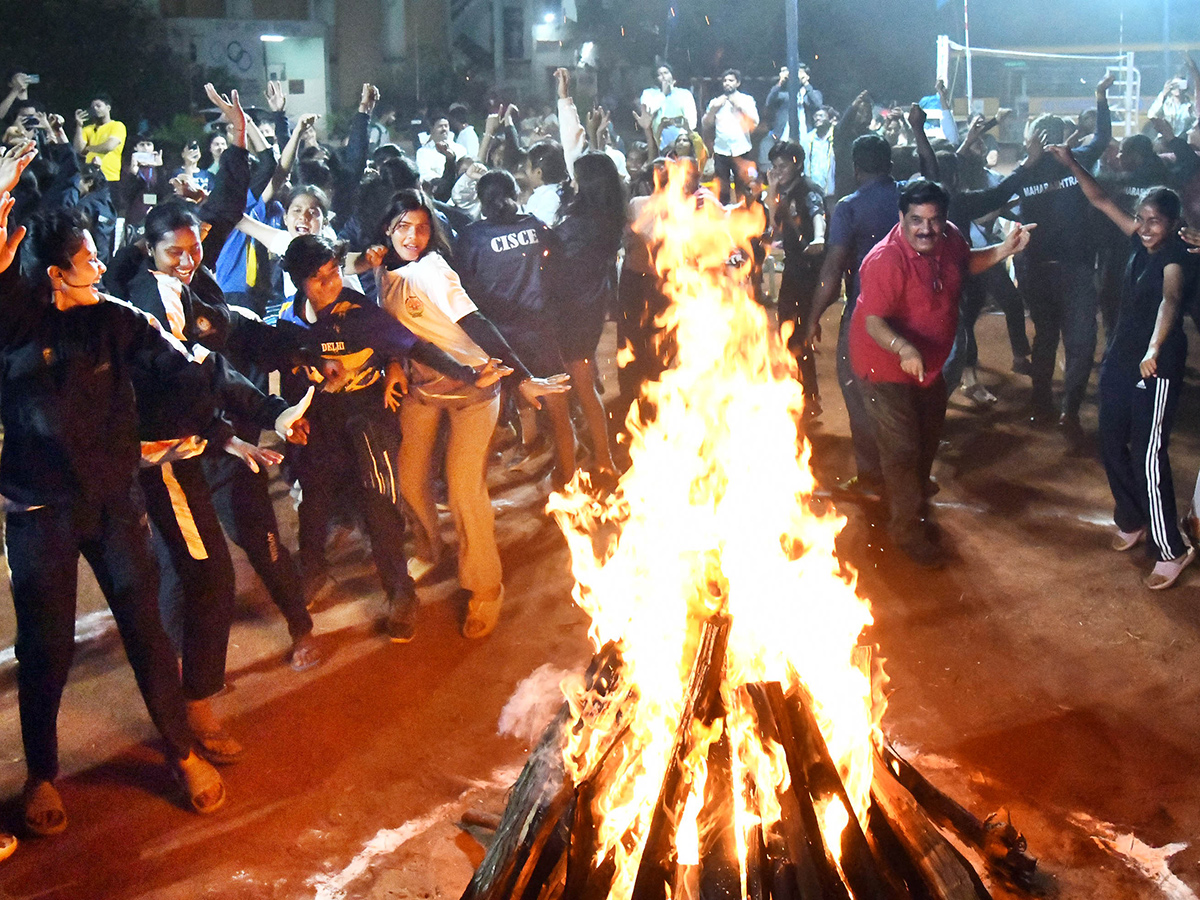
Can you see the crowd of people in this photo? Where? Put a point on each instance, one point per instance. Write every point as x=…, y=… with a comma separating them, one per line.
x=423, y=301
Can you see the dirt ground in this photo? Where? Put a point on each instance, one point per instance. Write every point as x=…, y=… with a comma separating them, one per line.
x=1033, y=674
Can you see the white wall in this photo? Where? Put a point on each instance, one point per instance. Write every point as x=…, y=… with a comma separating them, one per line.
x=235, y=44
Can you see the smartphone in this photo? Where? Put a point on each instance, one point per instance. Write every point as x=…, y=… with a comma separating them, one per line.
x=33, y=79
x=145, y=159
x=990, y=124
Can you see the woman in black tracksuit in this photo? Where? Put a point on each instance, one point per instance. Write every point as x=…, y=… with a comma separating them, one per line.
x=69, y=357
x=590, y=228
x=178, y=499
x=504, y=263
x=1142, y=374
x=199, y=315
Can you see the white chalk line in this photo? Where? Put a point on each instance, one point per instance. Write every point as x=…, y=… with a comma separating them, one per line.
x=388, y=840
x=1149, y=861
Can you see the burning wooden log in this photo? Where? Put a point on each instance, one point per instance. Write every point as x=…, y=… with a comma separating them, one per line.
x=945, y=872
x=540, y=798
x=701, y=702
x=1000, y=843
x=805, y=857
x=825, y=786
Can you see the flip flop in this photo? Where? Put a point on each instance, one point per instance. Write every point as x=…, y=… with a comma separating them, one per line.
x=305, y=654
x=200, y=782
x=482, y=615
x=43, y=809
x=1167, y=571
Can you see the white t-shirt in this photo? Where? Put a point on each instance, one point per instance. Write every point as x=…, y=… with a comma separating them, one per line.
x=427, y=297
x=544, y=202
x=678, y=104
x=430, y=162
x=735, y=120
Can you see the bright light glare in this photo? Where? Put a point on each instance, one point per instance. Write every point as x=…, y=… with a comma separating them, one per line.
x=549, y=18
x=271, y=38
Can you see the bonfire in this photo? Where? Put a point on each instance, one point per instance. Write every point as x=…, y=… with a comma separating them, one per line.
x=726, y=740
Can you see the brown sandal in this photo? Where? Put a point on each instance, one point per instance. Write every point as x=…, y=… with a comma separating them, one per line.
x=43, y=809
x=200, y=782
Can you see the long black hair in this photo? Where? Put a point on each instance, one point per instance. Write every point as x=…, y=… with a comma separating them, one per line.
x=599, y=194
x=406, y=202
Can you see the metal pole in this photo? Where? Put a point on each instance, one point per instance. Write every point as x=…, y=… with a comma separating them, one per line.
x=1166, y=40
x=967, y=48
x=792, y=11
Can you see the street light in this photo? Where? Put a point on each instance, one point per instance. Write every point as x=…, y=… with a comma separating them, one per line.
x=271, y=38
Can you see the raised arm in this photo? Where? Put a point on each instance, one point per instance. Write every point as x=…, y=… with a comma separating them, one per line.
x=949, y=126
x=1094, y=193
x=1091, y=151
x=287, y=158
x=929, y=164
x=18, y=89
x=570, y=128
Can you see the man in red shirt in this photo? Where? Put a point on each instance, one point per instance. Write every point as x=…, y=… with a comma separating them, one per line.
x=901, y=333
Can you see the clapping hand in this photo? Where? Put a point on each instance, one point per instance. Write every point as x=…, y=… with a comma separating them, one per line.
x=231, y=109
x=13, y=162
x=8, y=242
x=276, y=98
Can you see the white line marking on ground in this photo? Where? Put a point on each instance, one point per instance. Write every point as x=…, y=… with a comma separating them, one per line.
x=1150, y=861
x=388, y=840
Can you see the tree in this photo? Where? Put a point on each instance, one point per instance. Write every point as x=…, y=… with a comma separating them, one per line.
x=118, y=47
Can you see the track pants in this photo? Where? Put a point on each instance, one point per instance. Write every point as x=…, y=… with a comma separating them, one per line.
x=471, y=429
x=1062, y=303
x=1136, y=416
x=198, y=617
x=43, y=552
x=243, y=502
x=352, y=448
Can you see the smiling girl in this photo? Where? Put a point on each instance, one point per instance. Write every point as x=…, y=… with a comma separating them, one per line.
x=1142, y=374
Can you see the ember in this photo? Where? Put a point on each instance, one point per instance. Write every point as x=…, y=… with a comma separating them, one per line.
x=726, y=740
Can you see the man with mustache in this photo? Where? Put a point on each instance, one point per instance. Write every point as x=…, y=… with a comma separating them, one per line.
x=901, y=333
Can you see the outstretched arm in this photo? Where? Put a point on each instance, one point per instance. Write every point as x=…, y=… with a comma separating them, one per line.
x=986, y=257
x=1094, y=193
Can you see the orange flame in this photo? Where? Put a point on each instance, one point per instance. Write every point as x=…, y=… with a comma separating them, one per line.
x=713, y=516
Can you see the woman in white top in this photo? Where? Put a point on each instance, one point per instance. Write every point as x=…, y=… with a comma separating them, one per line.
x=418, y=287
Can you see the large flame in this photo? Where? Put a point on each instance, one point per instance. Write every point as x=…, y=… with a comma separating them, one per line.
x=713, y=516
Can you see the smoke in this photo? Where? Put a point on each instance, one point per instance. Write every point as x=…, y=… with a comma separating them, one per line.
x=533, y=704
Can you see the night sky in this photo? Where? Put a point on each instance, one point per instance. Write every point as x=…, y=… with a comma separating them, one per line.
x=887, y=46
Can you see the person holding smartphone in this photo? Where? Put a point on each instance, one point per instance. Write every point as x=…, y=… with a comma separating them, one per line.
x=100, y=137
x=144, y=185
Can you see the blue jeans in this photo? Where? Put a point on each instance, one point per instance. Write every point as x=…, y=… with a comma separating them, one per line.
x=1062, y=303
x=862, y=431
